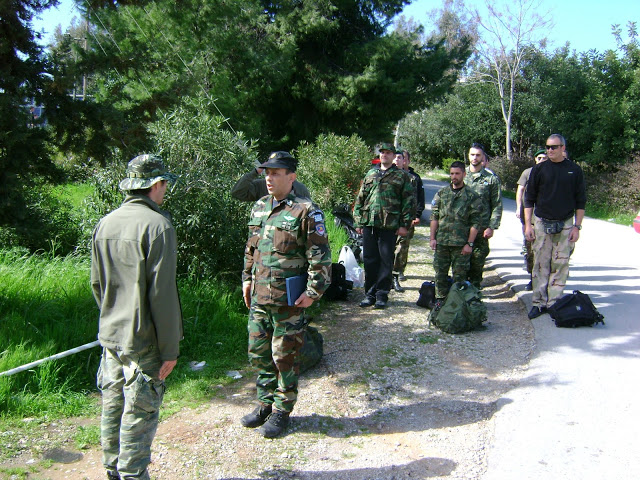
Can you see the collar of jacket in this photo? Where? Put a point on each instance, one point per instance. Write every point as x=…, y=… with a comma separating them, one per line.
x=146, y=201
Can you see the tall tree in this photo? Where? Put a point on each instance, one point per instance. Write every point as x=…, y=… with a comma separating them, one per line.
x=510, y=31
x=23, y=149
x=280, y=71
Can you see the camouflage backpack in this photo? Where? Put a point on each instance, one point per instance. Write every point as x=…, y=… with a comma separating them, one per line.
x=462, y=310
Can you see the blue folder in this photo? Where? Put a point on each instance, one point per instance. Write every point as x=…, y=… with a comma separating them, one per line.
x=295, y=287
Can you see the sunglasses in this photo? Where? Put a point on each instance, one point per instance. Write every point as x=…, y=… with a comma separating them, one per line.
x=553, y=147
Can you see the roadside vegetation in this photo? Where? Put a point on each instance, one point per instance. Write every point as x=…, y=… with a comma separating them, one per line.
x=59, y=177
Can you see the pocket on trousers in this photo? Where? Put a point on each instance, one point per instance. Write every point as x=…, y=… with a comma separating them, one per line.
x=148, y=393
x=100, y=377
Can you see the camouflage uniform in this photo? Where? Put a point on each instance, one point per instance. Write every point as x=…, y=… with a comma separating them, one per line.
x=287, y=240
x=133, y=278
x=456, y=211
x=487, y=186
x=386, y=202
x=402, y=243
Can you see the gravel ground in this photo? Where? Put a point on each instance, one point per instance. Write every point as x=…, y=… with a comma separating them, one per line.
x=391, y=399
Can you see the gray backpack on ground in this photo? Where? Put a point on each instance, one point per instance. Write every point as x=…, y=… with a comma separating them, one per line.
x=461, y=311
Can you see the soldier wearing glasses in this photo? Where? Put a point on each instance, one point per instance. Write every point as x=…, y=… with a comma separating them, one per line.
x=555, y=199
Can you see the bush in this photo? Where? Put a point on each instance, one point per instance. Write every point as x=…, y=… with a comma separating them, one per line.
x=446, y=163
x=509, y=171
x=617, y=190
x=50, y=223
x=210, y=224
x=332, y=168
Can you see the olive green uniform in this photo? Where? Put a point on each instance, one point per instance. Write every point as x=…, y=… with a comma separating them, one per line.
x=456, y=211
x=487, y=186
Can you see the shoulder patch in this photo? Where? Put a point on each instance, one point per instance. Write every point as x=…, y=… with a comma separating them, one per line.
x=321, y=230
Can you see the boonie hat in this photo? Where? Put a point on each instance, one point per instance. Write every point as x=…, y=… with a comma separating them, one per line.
x=541, y=151
x=281, y=159
x=387, y=146
x=145, y=170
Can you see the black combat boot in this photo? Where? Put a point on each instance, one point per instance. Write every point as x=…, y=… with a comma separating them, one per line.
x=396, y=284
x=257, y=417
x=275, y=425
x=368, y=301
x=111, y=475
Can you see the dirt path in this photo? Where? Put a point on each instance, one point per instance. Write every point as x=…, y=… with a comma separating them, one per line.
x=391, y=399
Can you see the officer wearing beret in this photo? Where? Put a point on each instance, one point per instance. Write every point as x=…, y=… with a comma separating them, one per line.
x=287, y=238
x=133, y=278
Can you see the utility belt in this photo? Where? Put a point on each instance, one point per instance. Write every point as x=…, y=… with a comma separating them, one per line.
x=551, y=227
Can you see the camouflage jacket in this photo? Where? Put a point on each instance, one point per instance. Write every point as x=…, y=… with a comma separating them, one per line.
x=386, y=199
x=456, y=211
x=487, y=186
x=285, y=241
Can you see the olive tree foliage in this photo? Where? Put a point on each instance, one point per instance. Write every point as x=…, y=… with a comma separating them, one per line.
x=332, y=168
x=508, y=32
x=210, y=224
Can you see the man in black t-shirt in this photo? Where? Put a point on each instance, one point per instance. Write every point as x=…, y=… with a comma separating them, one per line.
x=555, y=195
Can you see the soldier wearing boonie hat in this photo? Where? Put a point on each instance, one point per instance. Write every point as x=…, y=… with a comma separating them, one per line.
x=145, y=170
x=133, y=278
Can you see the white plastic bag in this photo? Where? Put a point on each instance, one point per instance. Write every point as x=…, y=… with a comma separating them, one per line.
x=354, y=272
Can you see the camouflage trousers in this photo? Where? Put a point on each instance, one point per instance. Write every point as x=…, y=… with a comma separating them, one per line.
x=276, y=335
x=551, y=264
x=446, y=257
x=479, y=255
x=131, y=399
x=402, y=251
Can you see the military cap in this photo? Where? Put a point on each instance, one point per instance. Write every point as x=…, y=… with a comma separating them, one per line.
x=281, y=159
x=387, y=146
x=145, y=170
x=540, y=152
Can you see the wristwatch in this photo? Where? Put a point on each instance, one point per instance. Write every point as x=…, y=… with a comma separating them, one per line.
x=579, y=227
x=470, y=244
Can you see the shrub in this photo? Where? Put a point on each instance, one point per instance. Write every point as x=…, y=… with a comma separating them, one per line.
x=446, y=163
x=616, y=190
x=509, y=171
x=332, y=168
x=210, y=224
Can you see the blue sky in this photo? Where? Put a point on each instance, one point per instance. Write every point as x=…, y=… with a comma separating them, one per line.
x=586, y=24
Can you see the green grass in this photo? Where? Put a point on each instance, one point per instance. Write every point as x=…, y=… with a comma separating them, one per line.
x=46, y=306
x=603, y=212
x=337, y=237
x=87, y=437
x=73, y=193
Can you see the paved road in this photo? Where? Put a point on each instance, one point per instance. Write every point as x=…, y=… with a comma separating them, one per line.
x=576, y=413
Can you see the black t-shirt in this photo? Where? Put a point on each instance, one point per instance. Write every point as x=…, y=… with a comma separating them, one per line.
x=556, y=190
